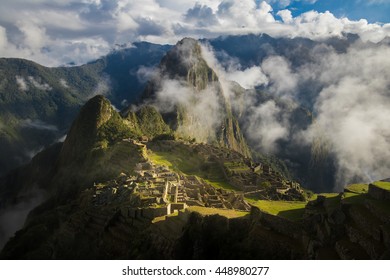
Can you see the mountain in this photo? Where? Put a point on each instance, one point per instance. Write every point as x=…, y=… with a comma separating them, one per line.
x=175, y=173
x=39, y=103
x=82, y=174
x=102, y=143
x=251, y=49
x=184, y=63
x=172, y=199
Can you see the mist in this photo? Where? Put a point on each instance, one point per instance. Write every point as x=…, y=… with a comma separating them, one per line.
x=13, y=218
x=203, y=108
x=348, y=94
x=353, y=111
x=103, y=87
x=38, y=124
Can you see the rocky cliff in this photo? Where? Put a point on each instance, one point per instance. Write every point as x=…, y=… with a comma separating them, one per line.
x=205, y=112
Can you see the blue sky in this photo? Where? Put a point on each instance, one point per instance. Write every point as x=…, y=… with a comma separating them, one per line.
x=373, y=11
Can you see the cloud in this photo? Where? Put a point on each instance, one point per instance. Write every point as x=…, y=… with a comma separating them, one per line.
x=64, y=83
x=145, y=74
x=32, y=153
x=286, y=16
x=351, y=110
x=102, y=88
x=282, y=82
x=39, y=85
x=349, y=94
x=37, y=124
x=231, y=70
x=33, y=35
x=203, y=109
x=244, y=14
x=267, y=124
x=286, y=3
x=62, y=138
x=35, y=29
x=13, y=218
x=248, y=78
x=22, y=84
x=201, y=16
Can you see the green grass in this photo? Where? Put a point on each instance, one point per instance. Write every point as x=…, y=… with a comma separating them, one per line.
x=178, y=160
x=327, y=195
x=236, y=167
x=382, y=185
x=102, y=165
x=161, y=159
x=221, y=185
x=291, y=210
x=357, y=188
x=354, y=198
x=206, y=211
x=163, y=218
x=182, y=159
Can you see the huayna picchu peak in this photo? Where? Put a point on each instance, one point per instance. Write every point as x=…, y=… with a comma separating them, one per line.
x=179, y=170
x=198, y=108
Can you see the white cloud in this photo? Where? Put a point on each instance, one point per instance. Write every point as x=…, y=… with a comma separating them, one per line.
x=266, y=125
x=203, y=109
x=282, y=81
x=38, y=124
x=286, y=3
x=350, y=96
x=286, y=16
x=34, y=36
x=145, y=74
x=248, y=78
x=353, y=111
x=38, y=84
x=64, y=83
x=21, y=83
x=36, y=29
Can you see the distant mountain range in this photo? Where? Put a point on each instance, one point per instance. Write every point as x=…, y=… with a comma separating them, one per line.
x=39, y=103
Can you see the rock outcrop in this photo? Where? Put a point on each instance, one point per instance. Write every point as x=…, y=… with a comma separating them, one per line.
x=185, y=63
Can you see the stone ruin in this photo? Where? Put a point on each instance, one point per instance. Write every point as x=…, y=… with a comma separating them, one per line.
x=157, y=191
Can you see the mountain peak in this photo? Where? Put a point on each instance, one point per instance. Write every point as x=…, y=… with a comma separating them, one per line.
x=185, y=62
x=82, y=135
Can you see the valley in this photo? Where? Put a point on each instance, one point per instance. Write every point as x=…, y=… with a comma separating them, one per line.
x=178, y=174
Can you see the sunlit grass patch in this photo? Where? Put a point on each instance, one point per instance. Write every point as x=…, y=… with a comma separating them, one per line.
x=292, y=210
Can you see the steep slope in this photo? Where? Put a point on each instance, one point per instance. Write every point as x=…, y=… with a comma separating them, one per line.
x=39, y=103
x=199, y=108
x=94, y=150
x=111, y=196
x=147, y=121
